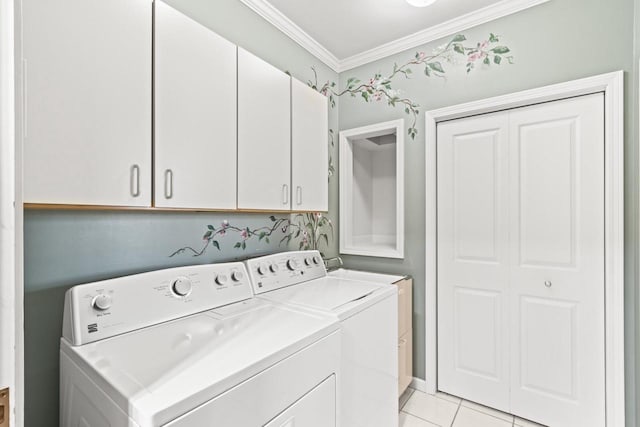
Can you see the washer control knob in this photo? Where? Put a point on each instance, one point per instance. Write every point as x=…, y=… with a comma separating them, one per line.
x=316, y=259
x=222, y=279
x=308, y=261
x=181, y=286
x=237, y=276
x=101, y=302
x=273, y=268
x=292, y=264
x=262, y=269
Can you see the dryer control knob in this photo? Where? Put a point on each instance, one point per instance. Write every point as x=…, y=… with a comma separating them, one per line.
x=181, y=286
x=237, y=276
x=101, y=302
x=316, y=259
x=222, y=279
x=262, y=269
x=292, y=264
x=308, y=261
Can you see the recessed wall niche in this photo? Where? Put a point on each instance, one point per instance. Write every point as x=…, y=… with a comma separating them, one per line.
x=372, y=190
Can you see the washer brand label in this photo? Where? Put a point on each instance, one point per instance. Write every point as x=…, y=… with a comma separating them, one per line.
x=93, y=327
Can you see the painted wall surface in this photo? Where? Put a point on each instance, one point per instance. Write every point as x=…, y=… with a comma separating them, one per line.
x=558, y=41
x=67, y=248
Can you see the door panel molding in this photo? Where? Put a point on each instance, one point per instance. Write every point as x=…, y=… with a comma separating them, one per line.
x=611, y=85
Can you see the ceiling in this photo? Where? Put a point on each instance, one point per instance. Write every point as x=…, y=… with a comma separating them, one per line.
x=347, y=33
x=349, y=27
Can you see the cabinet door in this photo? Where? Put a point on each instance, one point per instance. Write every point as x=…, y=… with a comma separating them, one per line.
x=88, y=102
x=195, y=114
x=309, y=148
x=405, y=306
x=264, y=135
x=405, y=362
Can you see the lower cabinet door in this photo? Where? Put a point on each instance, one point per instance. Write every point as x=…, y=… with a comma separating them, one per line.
x=315, y=409
x=405, y=362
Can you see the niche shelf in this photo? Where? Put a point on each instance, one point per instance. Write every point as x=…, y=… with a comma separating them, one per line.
x=372, y=190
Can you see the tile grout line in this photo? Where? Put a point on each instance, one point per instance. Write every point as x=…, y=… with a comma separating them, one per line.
x=456, y=414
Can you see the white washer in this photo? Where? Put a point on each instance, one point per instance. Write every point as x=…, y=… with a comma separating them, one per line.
x=368, y=315
x=143, y=351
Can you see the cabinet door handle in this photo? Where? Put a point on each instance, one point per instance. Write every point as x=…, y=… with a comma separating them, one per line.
x=135, y=180
x=285, y=194
x=168, y=184
x=299, y=195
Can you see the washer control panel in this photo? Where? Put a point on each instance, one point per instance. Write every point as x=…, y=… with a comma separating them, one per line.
x=276, y=271
x=99, y=310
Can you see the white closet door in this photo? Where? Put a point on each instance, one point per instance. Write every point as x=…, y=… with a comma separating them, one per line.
x=264, y=135
x=473, y=346
x=557, y=262
x=195, y=114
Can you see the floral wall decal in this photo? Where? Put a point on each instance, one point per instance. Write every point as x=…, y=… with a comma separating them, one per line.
x=310, y=228
x=379, y=87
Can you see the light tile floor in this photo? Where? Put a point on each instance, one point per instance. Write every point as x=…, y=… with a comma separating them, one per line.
x=418, y=409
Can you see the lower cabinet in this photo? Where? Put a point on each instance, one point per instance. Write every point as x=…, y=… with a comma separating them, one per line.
x=405, y=334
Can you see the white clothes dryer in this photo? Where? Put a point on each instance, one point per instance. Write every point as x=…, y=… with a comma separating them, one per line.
x=368, y=316
x=189, y=346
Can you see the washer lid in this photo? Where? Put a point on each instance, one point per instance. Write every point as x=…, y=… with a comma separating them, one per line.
x=331, y=294
x=367, y=276
x=159, y=373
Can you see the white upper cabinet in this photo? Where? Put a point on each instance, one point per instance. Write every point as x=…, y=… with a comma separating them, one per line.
x=264, y=135
x=309, y=148
x=195, y=114
x=88, y=102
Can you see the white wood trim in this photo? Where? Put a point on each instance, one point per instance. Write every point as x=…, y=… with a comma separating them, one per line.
x=8, y=325
x=419, y=385
x=453, y=26
x=293, y=31
x=612, y=84
x=346, y=162
x=489, y=13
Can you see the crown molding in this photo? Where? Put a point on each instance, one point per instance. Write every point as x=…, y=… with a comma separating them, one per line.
x=297, y=34
x=461, y=23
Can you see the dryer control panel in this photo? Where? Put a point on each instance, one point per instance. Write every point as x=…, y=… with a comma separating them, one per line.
x=99, y=310
x=276, y=271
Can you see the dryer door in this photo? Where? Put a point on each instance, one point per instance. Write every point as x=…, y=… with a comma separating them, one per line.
x=316, y=409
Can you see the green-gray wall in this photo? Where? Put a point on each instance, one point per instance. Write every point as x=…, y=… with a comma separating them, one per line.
x=64, y=248
x=555, y=42
x=558, y=41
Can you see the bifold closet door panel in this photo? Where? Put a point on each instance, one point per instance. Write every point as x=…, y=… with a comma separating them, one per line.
x=473, y=345
x=557, y=262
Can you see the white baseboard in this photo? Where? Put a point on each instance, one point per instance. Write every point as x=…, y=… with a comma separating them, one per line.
x=418, y=384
